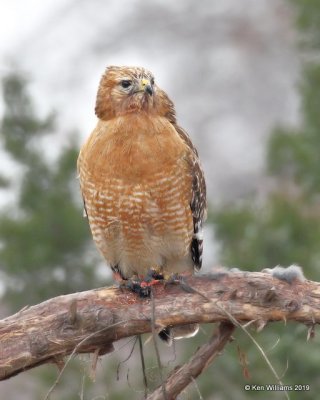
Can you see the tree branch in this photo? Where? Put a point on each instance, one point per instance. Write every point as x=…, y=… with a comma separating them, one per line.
x=91, y=321
x=180, y=378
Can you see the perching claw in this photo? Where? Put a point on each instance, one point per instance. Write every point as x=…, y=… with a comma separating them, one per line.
x=142, y=286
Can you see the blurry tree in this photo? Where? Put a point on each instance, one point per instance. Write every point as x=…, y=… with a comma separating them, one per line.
x=308, y=21
x=44, y=240
x=284, y=228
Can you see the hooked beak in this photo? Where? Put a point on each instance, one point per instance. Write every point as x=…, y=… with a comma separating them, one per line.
x=145, y=86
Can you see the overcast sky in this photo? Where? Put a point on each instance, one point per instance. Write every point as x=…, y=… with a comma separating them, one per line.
x=231, y=68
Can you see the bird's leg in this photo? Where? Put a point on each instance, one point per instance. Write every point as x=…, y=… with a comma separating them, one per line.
x=117, y=276
x=142, y=284
x=152, y=277
x=178, y=279
x=135, y=285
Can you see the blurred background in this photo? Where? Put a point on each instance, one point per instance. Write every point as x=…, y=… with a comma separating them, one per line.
x=245, y=79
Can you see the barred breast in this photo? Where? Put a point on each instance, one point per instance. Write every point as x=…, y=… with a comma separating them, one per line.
x=137, y=187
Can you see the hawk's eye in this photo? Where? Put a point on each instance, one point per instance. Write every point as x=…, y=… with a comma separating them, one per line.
x=126, y=83
x=152, y=81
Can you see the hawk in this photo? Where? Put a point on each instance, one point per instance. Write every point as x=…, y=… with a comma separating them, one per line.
x=141, y=179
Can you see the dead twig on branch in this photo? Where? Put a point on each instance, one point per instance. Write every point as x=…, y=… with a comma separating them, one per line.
x=89, y=322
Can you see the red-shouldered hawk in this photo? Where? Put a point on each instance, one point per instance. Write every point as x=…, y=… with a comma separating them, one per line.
x=141, y=179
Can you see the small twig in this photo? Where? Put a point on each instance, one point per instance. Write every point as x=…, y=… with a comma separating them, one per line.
x=145, y=381
x=93, y=369
x=235, y=322
x=127, y=358
x=179, y=379
x=189, y=289
x=81, y=394
x=154, y=336
x=197, y=388
x=73, y=311
x=73, y=353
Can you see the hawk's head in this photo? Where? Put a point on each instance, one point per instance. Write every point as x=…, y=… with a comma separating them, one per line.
x=125, y=90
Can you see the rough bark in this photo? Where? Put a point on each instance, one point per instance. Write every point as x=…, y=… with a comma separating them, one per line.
x=91, y=321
